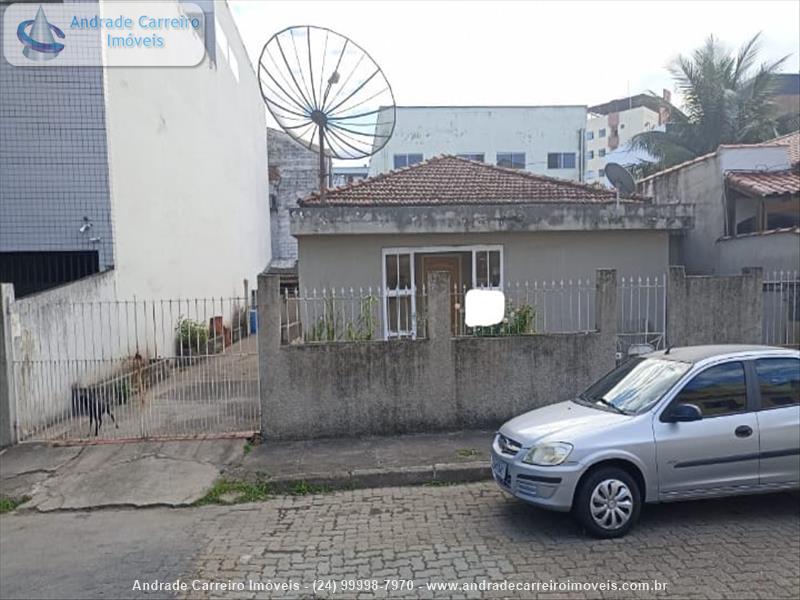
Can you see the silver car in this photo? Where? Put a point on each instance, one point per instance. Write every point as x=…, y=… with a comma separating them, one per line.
x=683, y=423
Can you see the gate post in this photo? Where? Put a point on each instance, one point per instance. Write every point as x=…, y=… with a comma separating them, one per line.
x=8, y=400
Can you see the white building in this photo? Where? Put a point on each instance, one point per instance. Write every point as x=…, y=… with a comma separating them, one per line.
x=155, y=176
x=611, y=126
x=547, y=140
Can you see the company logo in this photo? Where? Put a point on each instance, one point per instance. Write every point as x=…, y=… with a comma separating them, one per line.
x=37, y=37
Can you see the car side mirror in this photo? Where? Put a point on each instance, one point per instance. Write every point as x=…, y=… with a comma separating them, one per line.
x=683, y=413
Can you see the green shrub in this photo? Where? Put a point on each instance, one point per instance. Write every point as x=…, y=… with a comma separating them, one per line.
x=192, y=337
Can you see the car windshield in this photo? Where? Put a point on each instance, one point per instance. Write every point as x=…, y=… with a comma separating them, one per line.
x=635, y=386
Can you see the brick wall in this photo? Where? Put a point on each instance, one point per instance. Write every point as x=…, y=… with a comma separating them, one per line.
x=293, y=174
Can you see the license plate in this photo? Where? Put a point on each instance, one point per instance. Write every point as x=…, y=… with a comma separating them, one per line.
x=499, y=468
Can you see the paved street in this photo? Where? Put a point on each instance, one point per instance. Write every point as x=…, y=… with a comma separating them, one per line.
x=740, y=548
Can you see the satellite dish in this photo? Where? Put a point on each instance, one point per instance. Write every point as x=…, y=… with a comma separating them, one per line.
x=327, y=93
x=621, y=179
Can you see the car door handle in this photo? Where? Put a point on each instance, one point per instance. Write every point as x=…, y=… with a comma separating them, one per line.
x=743, y=431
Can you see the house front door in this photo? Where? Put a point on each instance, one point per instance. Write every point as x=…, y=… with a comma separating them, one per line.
x=450, y=263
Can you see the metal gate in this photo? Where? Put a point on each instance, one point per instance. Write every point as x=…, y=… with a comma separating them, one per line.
x=138, y=369
x=641, y=314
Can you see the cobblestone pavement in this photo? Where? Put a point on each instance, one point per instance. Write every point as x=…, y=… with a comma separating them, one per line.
x=744, y=548
x=736, y=548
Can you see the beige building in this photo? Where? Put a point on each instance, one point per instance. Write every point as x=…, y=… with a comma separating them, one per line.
x=612, y=125
x=487, y=226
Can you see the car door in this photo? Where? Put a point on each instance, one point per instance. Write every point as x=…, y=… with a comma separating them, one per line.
x=717, y=454
x=778, y=383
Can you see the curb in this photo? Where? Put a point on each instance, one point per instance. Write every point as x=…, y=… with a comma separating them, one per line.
x=443, y=473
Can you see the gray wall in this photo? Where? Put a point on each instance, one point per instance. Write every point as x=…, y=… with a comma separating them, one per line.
x=440, y=383
x=355, y=260
x=293, y=175
x=8, y=429
x=776, y=251
x=714, y=310
x=53, y=159
x=700, y=184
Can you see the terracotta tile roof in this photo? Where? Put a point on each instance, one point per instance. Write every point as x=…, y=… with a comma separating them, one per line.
x=765, y=183
x=454, y=180
x=790, y=139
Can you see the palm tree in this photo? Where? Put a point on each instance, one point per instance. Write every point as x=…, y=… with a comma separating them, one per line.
x=727, y=100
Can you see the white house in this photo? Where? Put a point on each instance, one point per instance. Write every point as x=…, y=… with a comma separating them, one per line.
x=546, y=140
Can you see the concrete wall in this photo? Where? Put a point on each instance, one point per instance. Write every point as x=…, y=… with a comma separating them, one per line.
x=188, y=158
x=58, y=339
x=8, y=413
x=774, y=252
x=714, y=310
x=701, y=183
x=535, y=130
x=293, y=175
x=355, y=260
x=440, y=383
x=53, y=161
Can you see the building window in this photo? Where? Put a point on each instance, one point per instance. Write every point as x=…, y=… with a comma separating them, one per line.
x=400, y=295
x=487, y=269
x=511, y=160
x=477, y=157
x=406, y=160
x=561, y=160
x=590, y=154
x=601, y=133
x=601, y=173
x=590, y=135
x=601, y=152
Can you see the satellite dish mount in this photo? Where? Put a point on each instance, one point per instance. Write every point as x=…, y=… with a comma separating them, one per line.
x=621, y=179
x=325, y=90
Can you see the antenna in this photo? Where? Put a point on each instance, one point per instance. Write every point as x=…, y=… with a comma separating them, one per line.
x=621, y=179
x=324, y=89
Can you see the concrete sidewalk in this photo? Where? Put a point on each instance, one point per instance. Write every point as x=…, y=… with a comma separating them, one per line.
x=370, y=461
x=114, y=475
x=178, y=473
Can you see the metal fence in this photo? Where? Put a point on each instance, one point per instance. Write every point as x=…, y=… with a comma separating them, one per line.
x=553, y=306
x=641, y=313
x=566, y=305
x=136, y=369
x=352, y=315
x=781, y=308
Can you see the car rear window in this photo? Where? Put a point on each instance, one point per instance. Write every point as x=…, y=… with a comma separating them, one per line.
x=779, y=381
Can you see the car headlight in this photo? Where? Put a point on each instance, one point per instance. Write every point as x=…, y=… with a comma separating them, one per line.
x=548, y=455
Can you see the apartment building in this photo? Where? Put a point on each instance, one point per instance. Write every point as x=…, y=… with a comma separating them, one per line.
x=610, y=127
x=545, y=140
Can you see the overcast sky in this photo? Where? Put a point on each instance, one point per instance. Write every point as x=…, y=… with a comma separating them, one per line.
x=566, y=52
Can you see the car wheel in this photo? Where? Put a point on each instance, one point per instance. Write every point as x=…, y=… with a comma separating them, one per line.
x=608, y=503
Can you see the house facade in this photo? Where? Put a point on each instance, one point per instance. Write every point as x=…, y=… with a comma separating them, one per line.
x=486, y=226
x=547, y=140
x=747, y=207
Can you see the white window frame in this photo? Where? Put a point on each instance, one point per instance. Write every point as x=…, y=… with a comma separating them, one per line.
x=412, y=251
x=398, y=293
